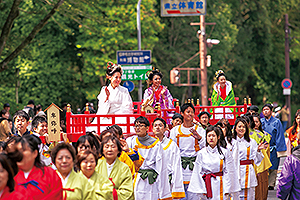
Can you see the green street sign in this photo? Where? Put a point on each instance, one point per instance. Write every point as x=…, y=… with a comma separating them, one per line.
x=135, y=72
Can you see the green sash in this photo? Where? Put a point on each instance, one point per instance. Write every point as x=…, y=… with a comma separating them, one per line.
x=188, y=161
x=150, y=173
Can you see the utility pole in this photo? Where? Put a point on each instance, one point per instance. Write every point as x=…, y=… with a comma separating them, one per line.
x=138, y=21
x=287, y=64
x=203, y=67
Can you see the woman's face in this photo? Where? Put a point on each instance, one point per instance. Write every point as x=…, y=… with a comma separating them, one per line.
x=64, y=161
x=256, y=122
x=240, y=129
x=176, y=121
x=222, y=81
x=88, y=165
x=110, y=150
x=115, y=79
x=212, y=139
x=3, y=177
x=28, y=160
x=156, y=81
x=84, y=146
x=298, y=120
x=204, y=119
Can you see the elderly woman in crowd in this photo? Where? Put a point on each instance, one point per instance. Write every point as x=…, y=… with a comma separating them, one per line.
x=75, y=186
x=115, y=170
x=87, y=161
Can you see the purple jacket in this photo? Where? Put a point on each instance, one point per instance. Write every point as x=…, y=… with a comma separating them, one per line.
x=289, y=180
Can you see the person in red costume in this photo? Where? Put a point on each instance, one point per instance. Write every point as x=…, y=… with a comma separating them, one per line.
x=39, y=181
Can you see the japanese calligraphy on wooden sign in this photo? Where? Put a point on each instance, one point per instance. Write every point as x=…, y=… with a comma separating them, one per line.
x=53, y=118
x=182, y=7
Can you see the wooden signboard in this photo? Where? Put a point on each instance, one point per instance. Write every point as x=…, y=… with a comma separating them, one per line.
x=53, y=118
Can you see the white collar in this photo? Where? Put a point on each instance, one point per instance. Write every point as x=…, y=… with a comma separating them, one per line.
x=212, y=150
x=64, y=181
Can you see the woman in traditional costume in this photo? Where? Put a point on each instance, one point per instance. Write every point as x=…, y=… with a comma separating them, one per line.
x=8, y=169
x=157, y=93
x=293, y=133
x=87, y=161
x=257, y=134
x=113, y=99
x=75, y=186
x=39, y=181
x=214, y=172
x=249, y=153
x=113, y=169
x=227, y=132
x=222, y=95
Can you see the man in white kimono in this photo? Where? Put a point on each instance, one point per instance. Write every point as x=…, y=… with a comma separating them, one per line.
x=151, y=181
x=190, y=138
x=172, y=153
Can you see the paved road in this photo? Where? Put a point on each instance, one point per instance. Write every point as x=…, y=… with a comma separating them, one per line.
x=272, y=193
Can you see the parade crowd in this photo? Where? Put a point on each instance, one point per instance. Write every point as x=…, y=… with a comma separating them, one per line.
x=190, y=160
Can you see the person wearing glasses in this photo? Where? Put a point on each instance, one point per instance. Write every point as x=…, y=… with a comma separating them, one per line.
x=151, y=181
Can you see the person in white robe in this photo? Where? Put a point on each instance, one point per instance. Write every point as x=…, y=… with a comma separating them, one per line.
x=113, y=99
x=190, y=138
x=249, y=153
x=172, y=153
x=151, y=181
x=213, y=175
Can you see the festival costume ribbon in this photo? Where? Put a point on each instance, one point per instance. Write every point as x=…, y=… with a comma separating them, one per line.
x=150, y=173
x=188, y=161
x=114, y=193
x=67, y=189
x=207, y=180
x=32, y=182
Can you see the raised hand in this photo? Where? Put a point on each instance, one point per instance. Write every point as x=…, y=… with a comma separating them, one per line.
x=262, y=145
x=124, y=145
x=195, y=134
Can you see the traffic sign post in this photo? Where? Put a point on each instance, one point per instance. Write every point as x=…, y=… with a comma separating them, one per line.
x=286, y=85
x=134, y=57
x=135, y=72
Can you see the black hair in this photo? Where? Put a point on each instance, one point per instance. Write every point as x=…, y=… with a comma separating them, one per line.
x=30, y=102
x=253, y=124
x=219, y=75
x=224, y=123
x=21, y=113
x=186, y=106
x=294, y=130
x=3, y=112
x=113, y=139
x=8, y=162
x=91, y=140
x=117, y=129
x=177, y=115
x=162, y=120
x=246, y=117
x=38, y=107
x=37, y=120
x=218, y=132
x=246, y=135
x=61, y=146
x=142, y=120
x=33, y=143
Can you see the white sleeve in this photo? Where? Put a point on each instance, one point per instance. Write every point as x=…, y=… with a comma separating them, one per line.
x=197, y=184
x=103, y=106
x=258, y=155
x=127, y=105
x=177, y=177
x=202, y=133
x=231, y=179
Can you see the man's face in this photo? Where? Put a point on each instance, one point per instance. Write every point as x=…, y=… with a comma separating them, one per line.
x=21, y=124
x=251, y=112
x=188, y=114
x=42, y=128
x=176, y=121
x=141, y=129
x=267, y=112
x=158, y=128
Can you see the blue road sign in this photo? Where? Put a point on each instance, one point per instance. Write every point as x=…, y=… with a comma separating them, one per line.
x=134, y=57
x=129, y=85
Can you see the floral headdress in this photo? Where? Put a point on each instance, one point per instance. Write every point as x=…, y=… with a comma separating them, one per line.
x=113, y=67
x=219, y=73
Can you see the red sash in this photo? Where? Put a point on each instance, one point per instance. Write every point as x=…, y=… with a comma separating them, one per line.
x=207, y=180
